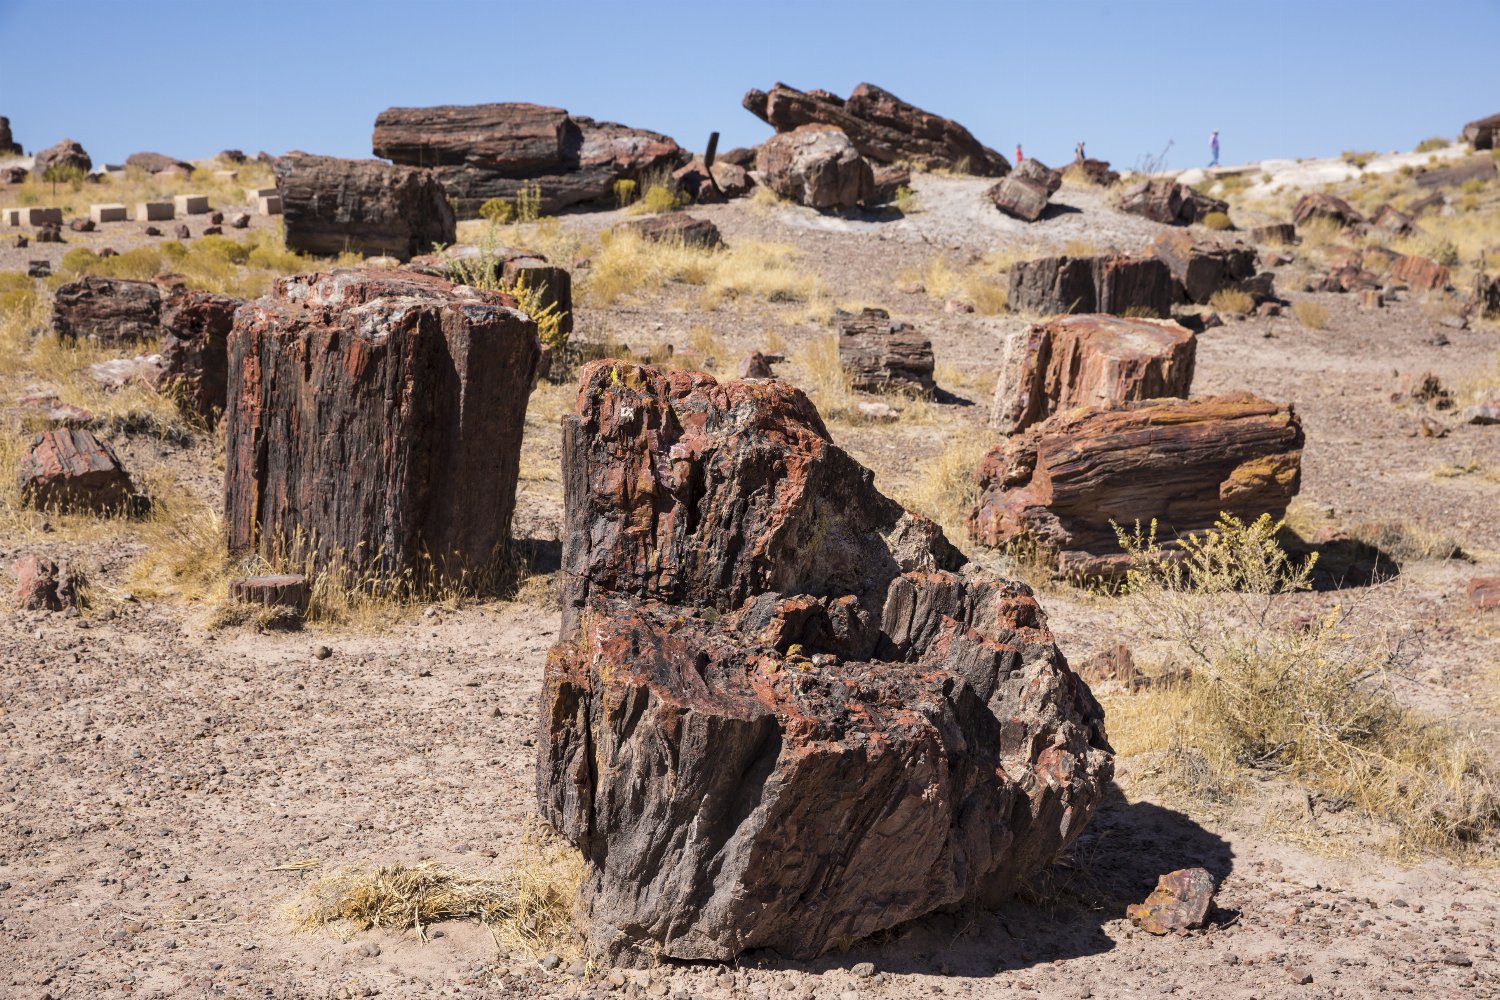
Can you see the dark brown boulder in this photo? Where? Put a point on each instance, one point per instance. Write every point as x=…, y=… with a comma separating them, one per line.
x=1484, y=133
x=1325, y=207
x=8, y=144
x=70, y=469
x=107, y=309
x=155, y=163
x=1114, y=284
x=1091, y=360
x=882, y=127
x=376, y=416
x=1169, y=203
x=1203, y=267
x=195, y=329
x=677, y=227
x=1067, y=481
x=715, y=736
x=1390, y=221
x=756, y=365
x=1095, y=171
x=817, y=166
x=44, y=585
x=331, y=206
x=879, y=355
x=66, y=157
x=1024, y=192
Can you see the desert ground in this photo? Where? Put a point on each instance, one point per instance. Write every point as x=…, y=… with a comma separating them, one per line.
x=173, y=780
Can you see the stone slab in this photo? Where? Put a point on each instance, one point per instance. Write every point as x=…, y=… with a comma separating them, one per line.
x=154, y=211
x=108, y=213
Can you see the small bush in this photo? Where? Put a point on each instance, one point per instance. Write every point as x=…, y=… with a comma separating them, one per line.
x=624, y=191
x=497, y=210
x=658, y=198
x=1357, y=159
x=906, y=200
x=1436, y=142
x=1218, y=221
x=1473, y=185
x=1232, y=300
x=1313, y=315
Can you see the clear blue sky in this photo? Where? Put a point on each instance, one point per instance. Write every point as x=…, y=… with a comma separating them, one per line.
x=1279, y=78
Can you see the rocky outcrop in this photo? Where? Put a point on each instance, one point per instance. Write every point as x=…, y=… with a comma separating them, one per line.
x=1024, y=192
x=677, y=227
x=1092, y=360
x=783, y=715
x=1319, y=207
x=1421, y=274
x=332, y=206
x=8, y=144
x=66, y=157
x=1105, y=284
x=1203, y=267
x=1169, y=203
x=376, y=416
x=107, y=309
x=70, y=469
x=155, y=163
x=879, y=355
x=486, y=151
x=882, y=127
x=1484, y=133
x=1066, y=481
x=194, y=352
x=817, y=166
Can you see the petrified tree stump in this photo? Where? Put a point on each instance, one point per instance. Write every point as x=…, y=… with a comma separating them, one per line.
x=783, y=715
x=1104, y=284
x=1420, y=273
x=287, y=590
x=882, y=356
x=1319, y=206
x=1067, y=481
x=376, y=416
x=1093, y=360
x=331, y=206
x=1024, y=192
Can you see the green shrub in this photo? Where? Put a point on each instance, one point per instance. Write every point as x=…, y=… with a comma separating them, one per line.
x=906, y=200
x=1428, y=145
x=624, y=191
x=1217, y=220
x=497, y=210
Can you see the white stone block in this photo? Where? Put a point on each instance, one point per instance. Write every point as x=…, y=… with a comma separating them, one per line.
x=153, y=211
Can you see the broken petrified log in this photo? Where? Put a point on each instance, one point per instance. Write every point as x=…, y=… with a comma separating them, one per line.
x=1421, y=274
x=375, y=417
x=882, y=127
x=107, y=309
x=1203, y=267
x=1024, y=192
x=881, y=356
x=677, y=227
x=332, y=206
x=44, y=585
x=1325, y=207
x=1276, y=234
x=729, y=577
x=194, y=335
x=1169, y=203
x=70, y=469
x=1105, y=284
x=1091, y=360
x=1066, y=481
x=817, y=166
x=1390, y=221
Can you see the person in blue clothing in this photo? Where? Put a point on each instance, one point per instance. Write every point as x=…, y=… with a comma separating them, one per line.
x=1213, y=146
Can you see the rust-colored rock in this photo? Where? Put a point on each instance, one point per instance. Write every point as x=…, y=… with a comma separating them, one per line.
x=881, y=356
x=1179, y=903
x=677, y=227
x=1203, y=267
x=330, y=206
x=882, y=127
x=1023, y=193
x=194, y=336
x=376, y=415
x=70, y=469
x=715, y=736
x=1066, y=481
x=1325, y=207
x=1484, y=592
x=817, y=166
x=44, y=585
x=288, y=590
x=107, y=309
x=1105, y=284
x=1421, y=274
x=1091, y=360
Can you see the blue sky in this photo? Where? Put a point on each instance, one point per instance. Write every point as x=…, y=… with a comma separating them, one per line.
x=1279, y=78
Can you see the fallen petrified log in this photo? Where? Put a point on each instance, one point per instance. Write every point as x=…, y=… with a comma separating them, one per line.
x=782, y=714
x=1024, y=192
x=1105, y=284
x=1091, y=360
x=882, y=127
x=1391, y=221
x=1475, y=168
x=1325, y=207
x=1203, y=267
x=107, y=309
x=331, y=206
x=70, y=469
x=881, y=356
x=817, y=166
x=1066, y=482
x=376, y=417
x=1169, y=203
x=1422, y=274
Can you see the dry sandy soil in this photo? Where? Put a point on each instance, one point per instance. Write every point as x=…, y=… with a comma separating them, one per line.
x=153, y=771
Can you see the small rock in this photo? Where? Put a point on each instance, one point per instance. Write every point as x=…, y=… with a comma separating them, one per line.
x=239, y=221
x=953, y=306
x=39, y=269
x=182, y=231
x=550, y=961
x=577, y=969
x=152, y=231
x=864, y=970
x=321, y=652
x=1299, y=976
x=370, y=949
x=1179, y=902
x=1458, y=958
x=911, y=288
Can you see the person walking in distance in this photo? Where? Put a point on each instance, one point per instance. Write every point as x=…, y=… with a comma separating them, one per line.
x=1019, y=157
x=1078, y=153
x=1213, y=147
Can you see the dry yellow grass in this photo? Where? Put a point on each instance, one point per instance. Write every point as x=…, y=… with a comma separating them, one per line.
x=75, y=197
x=948, y=487
x=1231, y=300
x=627, y=266
x=1313, y=315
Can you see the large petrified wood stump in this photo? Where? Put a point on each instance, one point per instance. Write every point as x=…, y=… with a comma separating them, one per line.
x=784, y=714
x=1093, y=360
x=1066, y=481
x=332, y=206
x=377, y=416
x=1110, y=283
x=881, y=356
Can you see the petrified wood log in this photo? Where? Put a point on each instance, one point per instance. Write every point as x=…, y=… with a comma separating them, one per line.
x=1104, y=284
x=1420, y=273
x=194, y=352
x=882, y=127
x=108, y=309
x=1181, y=462
x=882, y=356
x=1091, y=360
x=1024, y=192
x=1169, y=203
x=677, y=227
x=331, y=206
x=1475, y=168
x=1320, y=206
x=70, y=469
x=781, y=715
x=817, y=166
x=1203, y=267
x=377, y=416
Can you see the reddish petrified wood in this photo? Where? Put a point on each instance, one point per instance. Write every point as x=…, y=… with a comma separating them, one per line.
x=377, y=415
x=1420, y=273
x=1169, y=203
x=678, y=228
x=1179, y=902
x=1066, y=482
x=465, y=264
x=881, y=356
x=1319, y=206
x=72, y=470
x=44, y=585
x=1091, y=360
x=287, y=590
x=195, y=332
x=1484, y=592
x=332, y=206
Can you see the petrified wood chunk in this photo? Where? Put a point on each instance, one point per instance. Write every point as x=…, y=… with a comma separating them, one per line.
x=377, y=416
x=108, y=309
x=1091, y=360
x=1319, y=206
x=194, y=352
x=70, y=469
x=1066, y=481
x=782, y=716
x=1482, y=134
x=1024, y=192
x=289, y=590
x=1169, y=203
x=1203, y=267
x=817, y=166
x=1105, y=284
x=362, y=206
x=882, y=356
x=678, y=227
x=44, y=585
x=1421, y=273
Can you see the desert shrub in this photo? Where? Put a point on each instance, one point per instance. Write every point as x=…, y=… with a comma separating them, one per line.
x=1357, y=159
x=988, y=298
x=624, y=191
x=1428, y=145
x=497, y=210
x=661, y=195
x=1313, y=315
x=1232, y=300
x=1217, y=221
x=529, y=203
x=906, y=200
x=141, y=263
x=1309, y=700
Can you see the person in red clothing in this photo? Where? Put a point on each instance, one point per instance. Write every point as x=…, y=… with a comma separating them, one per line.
x=1019, y=157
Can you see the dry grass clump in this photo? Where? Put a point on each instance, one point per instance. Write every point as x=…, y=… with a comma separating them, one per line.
x=244, y=267
x=947, y=488
x=1232, y=300
x=977, y=285
x=1217, y=221
x=1407, y=541
x=1432, y=145
x=1312, y=701
x=529, y=906
x=627, y=265
x=1313, y=315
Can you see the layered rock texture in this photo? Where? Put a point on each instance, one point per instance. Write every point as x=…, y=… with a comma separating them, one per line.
x=376, y=417
x=1091, y=360
x=884, y=356
x=332, y=206
x=194, y=349
x=784, y=714
x=882, y=127
x=1109, y=283
x=1023, y=194
x=1066, y=481
x=485, y=151
x=107, y=309
x=817, y=166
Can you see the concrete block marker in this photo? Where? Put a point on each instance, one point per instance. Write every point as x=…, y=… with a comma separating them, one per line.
x=107, y=213
x=12, y=216
x=153, y=211
x=34, y=216
x=192, y=204
x=269, y=204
